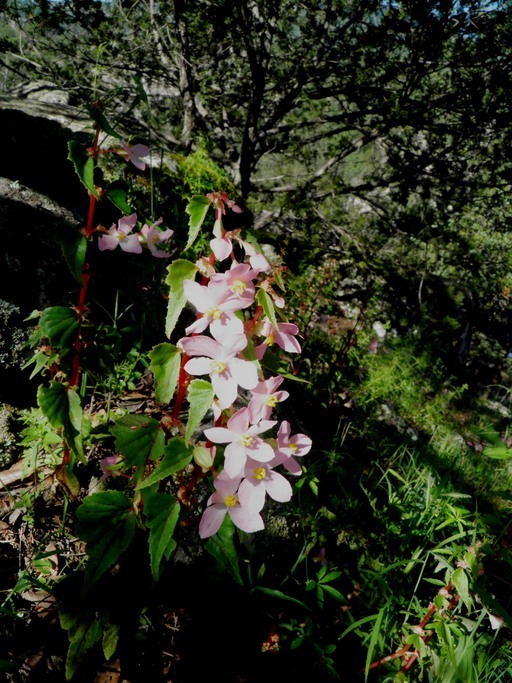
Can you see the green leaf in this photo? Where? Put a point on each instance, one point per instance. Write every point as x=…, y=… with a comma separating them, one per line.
x=460, y=581
x=62, y=408
x=140, y=89
x=165, y=366
x=106, y=522
x=498, y=452
x=74, y=249
x=57, y=323
x=84, y=165
x=179, y=271
x=41, y=361
x=82, y=637
x=264, y=300
x=162, y=512
x=278, y=278
x=109, y=640
x=331, y=576
x=222, y=547
x=200, y=396
x=177, y=455
x=376, y=633
x=274, y=593
x=488, y=434
x=197, y=209
x=358, y=623
x=139, y=437
x=98, y=117
x=332, y=592
x=117, y=192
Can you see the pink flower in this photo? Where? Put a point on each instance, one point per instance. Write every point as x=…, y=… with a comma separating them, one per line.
x=242, y=441
x=283, y=336
x=259, y=263
x=220, y=200
x=238, y=283
x=222, y=244
x=260, y=479
x=220, y=361
x=119, y=236
x=221, y=247
x=290, y=447
x=134, y=154
x=215, y=308
x=205, y=267
x=265, y=397
x=156, y=237
x=225, y=501
x=107, y=467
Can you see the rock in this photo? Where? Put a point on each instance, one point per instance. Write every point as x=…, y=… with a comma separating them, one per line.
x=9, y=450
x=35, y=149
x=40, y=195
x=13, y=336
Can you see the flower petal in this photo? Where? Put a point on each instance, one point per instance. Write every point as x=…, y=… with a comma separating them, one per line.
x=197, y=295
x=234, y=460
x=247, y=520
x=225, y=388
x=227, y=325
x=198, y=326
x=260, y=451
x=244, y=372
x=220, y=435
x=221, y=247
x=198, y=366
x=201, y=346
x=278, y=487
x=239, y=422
x=131, y=244
x=107, y=242
x=251, y=494
x=211, y=520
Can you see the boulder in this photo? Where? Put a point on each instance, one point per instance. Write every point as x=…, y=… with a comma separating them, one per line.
x=40, y=195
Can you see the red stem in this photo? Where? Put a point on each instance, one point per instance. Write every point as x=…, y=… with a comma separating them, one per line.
x=86, y=276
x=182, y=387
x=400, y=653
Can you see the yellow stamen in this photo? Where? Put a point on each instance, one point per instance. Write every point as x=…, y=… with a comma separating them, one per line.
x=272, y=401
x=246, y=440
x=270, y=339
x=238, y=287
x=230, y=501
x=120, y=235
x=292, y=446
x=259, y=473
x=214, y=313
x=217, y=366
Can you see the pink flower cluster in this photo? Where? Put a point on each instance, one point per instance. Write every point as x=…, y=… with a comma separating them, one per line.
x=223, y=303
x=122, y=235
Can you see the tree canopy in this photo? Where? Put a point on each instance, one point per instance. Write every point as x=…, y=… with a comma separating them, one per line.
x=373, y=128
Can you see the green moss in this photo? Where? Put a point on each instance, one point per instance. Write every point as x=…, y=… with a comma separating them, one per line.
x=200, y=174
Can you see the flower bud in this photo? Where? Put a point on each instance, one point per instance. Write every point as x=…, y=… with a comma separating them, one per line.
x=204, y=456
